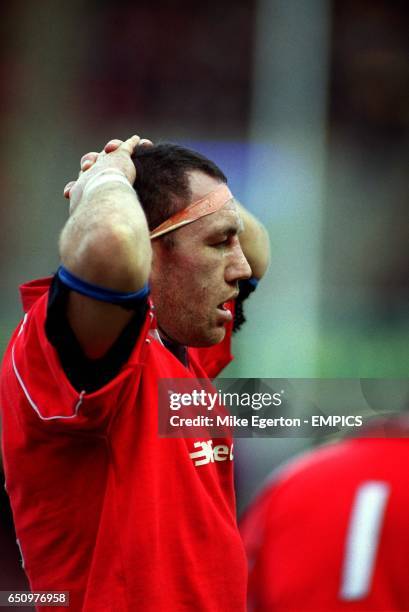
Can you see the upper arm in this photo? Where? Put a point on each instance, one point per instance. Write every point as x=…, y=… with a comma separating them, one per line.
x=96, y=325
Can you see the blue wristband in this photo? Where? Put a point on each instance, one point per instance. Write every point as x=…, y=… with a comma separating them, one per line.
x=120, y=298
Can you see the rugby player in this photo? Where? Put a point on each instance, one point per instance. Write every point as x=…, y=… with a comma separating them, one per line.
x=329, y=529
x=155, y=256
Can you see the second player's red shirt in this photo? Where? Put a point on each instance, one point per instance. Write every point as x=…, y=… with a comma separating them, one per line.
x=330, y=532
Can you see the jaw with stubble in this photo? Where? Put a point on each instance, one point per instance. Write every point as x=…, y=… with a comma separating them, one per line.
x=186, y=317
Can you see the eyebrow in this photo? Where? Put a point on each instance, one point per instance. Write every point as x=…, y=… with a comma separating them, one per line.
x=227, y=230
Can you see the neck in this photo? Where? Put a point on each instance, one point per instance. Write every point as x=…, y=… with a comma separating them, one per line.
x=178, y=350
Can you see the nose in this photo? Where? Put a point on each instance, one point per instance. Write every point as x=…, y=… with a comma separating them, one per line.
x=238, y=267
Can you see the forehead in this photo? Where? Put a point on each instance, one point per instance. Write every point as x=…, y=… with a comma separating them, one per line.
x=227, y=219
x=201, y=184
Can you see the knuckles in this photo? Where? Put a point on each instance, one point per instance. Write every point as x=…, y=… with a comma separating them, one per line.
x=115, y=153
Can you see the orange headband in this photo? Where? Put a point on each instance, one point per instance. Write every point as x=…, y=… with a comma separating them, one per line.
x=211, y=203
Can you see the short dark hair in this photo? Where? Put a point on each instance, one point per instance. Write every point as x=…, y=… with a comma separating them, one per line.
x=162, y=181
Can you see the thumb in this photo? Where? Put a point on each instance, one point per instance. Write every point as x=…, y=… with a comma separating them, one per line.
x=130, y=144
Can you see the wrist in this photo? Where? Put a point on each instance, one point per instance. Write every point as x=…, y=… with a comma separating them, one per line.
x=104, y=177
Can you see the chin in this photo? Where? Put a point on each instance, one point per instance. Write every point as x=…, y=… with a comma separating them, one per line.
x=195, y=335
x=208, y=338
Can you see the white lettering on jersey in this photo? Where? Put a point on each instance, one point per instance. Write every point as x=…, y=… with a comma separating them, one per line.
x=207, y=454
x=363, y=539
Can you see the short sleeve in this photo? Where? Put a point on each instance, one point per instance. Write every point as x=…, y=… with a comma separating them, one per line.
x=40, y=388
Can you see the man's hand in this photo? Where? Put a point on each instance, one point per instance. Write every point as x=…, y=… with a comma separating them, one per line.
x=115, y=155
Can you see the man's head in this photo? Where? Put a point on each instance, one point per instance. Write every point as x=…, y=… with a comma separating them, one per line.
x=162, y=182
x=195, y=268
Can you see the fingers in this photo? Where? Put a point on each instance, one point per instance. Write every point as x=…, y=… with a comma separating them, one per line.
x=135, y=141
x=88, y=160
x=115, y=143
x=129, y=144
x=68, y=188
x=112, y=145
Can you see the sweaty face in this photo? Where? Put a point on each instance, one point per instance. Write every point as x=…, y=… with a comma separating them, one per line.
x=193, y=278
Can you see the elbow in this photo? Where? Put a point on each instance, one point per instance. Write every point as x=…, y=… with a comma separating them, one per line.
x=260, y=259
x=265, y=254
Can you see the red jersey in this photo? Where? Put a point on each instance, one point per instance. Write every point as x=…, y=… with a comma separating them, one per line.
x=330, y=532
x=103, y=507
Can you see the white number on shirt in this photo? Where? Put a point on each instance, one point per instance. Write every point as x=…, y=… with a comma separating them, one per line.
x=363, y=538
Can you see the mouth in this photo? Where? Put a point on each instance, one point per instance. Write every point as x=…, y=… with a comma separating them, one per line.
x=224, y=313
x=223, y=305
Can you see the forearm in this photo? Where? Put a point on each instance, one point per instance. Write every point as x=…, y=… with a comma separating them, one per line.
x=106, y=239
x=255, y=242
